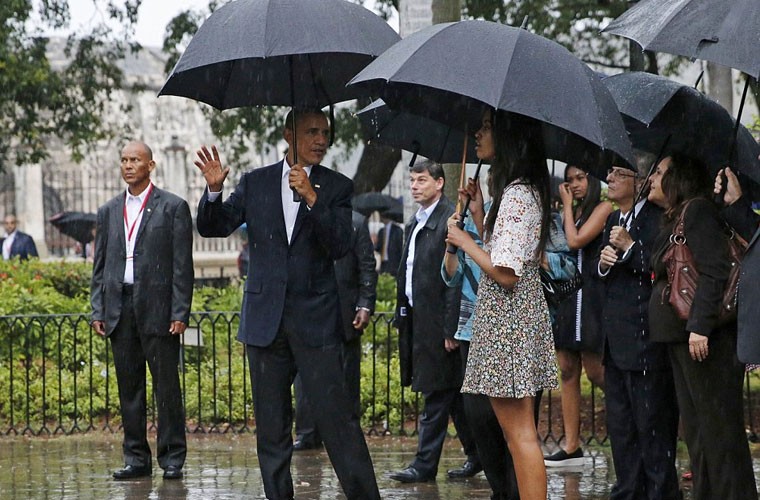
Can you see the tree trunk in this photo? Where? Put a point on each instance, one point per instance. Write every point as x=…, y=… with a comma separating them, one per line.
x=720, y=86
x=375, y=168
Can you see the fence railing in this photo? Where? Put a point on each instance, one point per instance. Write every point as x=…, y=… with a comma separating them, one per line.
x=57, y=377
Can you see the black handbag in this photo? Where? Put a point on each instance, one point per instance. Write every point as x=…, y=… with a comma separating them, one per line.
x=556, y=290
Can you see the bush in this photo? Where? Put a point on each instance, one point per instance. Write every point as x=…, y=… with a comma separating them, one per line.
x=54, y=369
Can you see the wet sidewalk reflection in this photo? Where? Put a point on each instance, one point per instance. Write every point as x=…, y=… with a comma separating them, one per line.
x=226, y=467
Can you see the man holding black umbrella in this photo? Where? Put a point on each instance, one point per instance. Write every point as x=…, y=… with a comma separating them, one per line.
x=290, y=319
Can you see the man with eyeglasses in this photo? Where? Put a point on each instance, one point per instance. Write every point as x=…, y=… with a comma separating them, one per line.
x=642, y=415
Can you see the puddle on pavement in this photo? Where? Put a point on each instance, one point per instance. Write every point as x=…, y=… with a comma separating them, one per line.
x=226, y=467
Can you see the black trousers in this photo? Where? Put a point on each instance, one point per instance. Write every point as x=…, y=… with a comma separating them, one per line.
x=433, y=427
x=273, y=369
x=489, y=440
x=131, y=350
x=710, y=398
x=306, y=426
x=642, y=422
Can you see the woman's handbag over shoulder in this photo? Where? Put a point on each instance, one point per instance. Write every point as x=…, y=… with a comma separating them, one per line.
x=683, y=276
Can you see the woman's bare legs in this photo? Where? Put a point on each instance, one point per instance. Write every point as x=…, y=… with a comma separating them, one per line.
x=570, y=380
x=516, y=420
x=570, y=395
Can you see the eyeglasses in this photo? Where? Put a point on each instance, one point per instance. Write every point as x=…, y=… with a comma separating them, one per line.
x=620, y=173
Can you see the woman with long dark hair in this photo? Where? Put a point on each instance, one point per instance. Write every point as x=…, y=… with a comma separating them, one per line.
x=578, y=334
x=707, y=374
x=512, y=352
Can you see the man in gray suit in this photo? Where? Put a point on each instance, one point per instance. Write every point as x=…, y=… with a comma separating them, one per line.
x=142, y=287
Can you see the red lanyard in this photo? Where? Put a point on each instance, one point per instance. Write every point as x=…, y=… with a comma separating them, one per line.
x=131, y=229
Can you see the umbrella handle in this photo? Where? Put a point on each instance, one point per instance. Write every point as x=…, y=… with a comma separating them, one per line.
x=463, y=214
x=734, y=138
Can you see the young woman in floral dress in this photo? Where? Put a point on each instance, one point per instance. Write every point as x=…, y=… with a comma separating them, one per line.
x=512, y=349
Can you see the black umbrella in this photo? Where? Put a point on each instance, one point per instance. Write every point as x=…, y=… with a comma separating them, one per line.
x=77, y=225
x=434, y=140
x=366, y=203
x=655, y=107
x=279, y=53
x=395, y=214
x=453, y=72
x=726, y=32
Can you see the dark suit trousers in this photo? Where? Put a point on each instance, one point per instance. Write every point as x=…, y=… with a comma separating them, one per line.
x=306, y=426
x=433, y=427
x=489, y=439
x=642, y=422
x=710, y=399
x=273, y=369
x=131, y=351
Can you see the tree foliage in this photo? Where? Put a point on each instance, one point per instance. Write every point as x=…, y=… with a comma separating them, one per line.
x=66, y=97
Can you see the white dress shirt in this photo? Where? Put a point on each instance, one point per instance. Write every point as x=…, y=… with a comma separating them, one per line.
x=7, y=244
x=289, y=207
x=422, y=215
x=133, y=205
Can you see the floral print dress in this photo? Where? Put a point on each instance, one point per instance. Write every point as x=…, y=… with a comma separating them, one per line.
x=512, y=348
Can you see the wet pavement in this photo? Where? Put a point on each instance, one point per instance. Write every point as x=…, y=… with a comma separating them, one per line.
x=226, y=467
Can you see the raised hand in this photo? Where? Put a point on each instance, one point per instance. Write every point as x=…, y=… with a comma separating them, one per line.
x=211, y=167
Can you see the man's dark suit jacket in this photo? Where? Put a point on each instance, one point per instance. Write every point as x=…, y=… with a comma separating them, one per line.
x=23, y=246
x=745, y=221
x=425, y=363
x=356, y=275
x=395, y=244
x=290, y=285
x=163, y=287
x=628, y=286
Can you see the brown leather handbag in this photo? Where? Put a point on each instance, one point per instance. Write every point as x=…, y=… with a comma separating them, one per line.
x=683, y=275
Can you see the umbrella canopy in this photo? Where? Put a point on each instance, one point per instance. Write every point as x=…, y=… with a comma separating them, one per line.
x=77, y=225
x=655, y=107
x=279, y=52
x=726, y=32
x=366, y=203
x=395, y=214
x=502, y=68
x=434, y=140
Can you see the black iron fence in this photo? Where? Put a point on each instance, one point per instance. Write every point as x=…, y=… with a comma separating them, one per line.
x=56, y=377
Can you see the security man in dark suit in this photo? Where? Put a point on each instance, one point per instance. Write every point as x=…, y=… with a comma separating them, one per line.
x=642, y=411
x=390, y=241
x=290, y=320
x=142, y=288
x=428, y=316
x=16, y=243
x=357, y=280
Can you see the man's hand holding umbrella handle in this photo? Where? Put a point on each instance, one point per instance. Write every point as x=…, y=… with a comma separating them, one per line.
x=608, y=257
x=210, y=165
x=620, y=239
x=733, y=189
x=299, y=180
x=99, y=327
x=177, y=328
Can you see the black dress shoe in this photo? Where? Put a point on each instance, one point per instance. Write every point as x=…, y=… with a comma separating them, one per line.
x=173, y=472
x=301, y=445
x=132, y=472
x=469, y=469
x=411, y=475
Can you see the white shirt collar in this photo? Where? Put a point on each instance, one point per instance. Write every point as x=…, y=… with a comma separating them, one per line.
x=140, y=197
x=423, y=214
x=286, y=168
